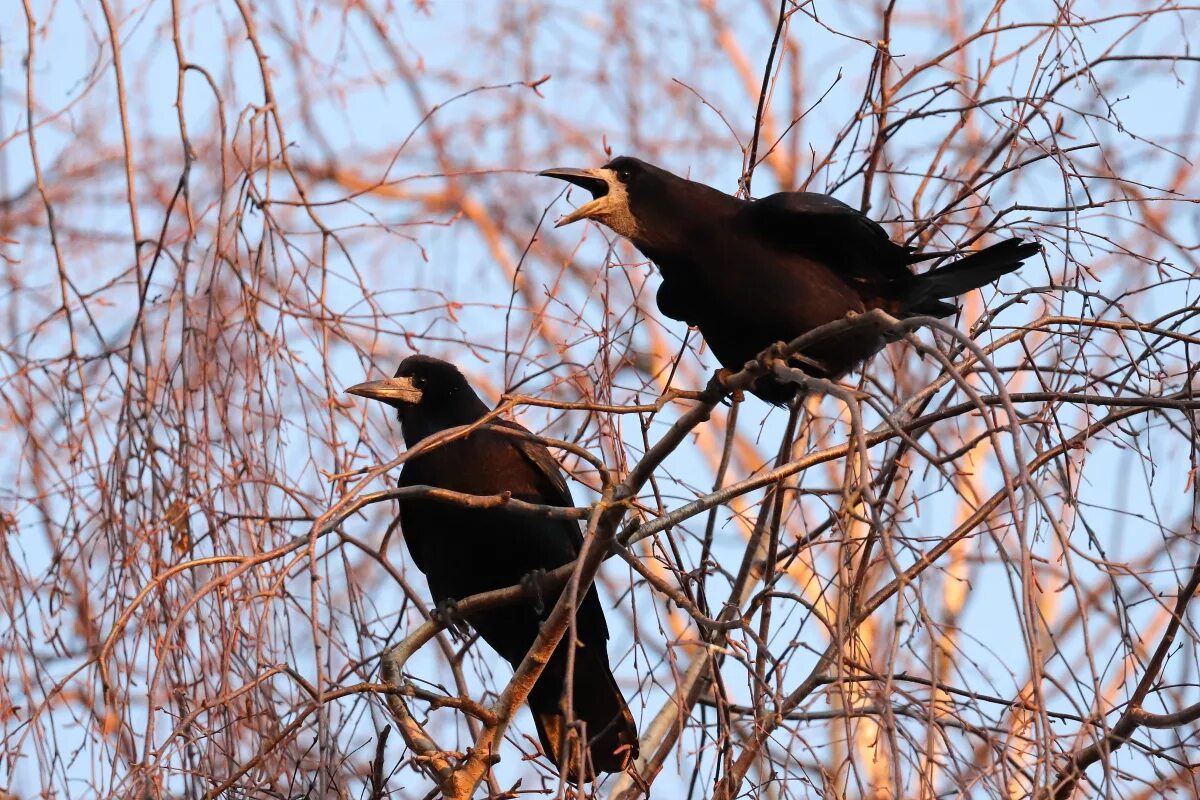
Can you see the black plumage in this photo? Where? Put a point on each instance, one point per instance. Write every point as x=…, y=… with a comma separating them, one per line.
x=464, y=551
x=748, y=273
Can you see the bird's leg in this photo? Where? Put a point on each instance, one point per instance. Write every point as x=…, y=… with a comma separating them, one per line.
x=446, y=613
x=737, y=395
x=532, y=582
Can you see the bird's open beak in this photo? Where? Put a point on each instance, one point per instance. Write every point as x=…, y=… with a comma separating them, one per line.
x=392, y=390
x=595, y=181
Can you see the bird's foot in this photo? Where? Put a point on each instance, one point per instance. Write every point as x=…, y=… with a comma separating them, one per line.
x=789, y=374
x=775, y=352
x=447, y=614
x=532, y=583
x=737, y=395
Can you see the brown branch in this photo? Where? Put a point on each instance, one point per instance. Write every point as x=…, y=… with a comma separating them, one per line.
x=752, y=159
x=1134, y=715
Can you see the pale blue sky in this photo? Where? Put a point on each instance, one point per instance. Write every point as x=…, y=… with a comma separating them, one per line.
x=365, y=126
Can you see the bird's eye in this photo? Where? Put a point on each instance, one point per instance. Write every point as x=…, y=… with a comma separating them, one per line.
x=624, y=174
x=418, y=381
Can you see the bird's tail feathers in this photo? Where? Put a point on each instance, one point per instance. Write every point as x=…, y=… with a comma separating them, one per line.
x=598, y=703
x=971, y=272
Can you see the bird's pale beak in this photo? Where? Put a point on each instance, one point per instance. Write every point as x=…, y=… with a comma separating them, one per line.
x=391, y=390
x=595, y=181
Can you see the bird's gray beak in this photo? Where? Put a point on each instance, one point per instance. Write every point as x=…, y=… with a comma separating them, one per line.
x=596, y=181
x=392, y=390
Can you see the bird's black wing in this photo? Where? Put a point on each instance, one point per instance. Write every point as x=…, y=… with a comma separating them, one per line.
x=824, y=228
x=554, y=490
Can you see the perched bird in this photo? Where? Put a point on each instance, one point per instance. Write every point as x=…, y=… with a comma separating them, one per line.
x=464, y=551
x=749, y=273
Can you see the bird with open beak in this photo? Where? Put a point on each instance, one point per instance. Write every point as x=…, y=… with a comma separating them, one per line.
x=749, y=273
x=610, y=199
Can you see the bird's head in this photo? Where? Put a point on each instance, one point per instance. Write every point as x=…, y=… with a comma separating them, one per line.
x=429, y=395
x=620, y=191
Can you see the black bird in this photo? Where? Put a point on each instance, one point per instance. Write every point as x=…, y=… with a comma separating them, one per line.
x=464, y=551
x=749, y=273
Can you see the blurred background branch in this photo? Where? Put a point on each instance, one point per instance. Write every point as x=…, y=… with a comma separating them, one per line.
x=966, y=571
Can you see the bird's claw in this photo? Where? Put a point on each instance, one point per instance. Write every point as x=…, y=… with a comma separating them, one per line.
x=775, y=352
x=447, y=614
x=737, y=395
x=532, y=583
